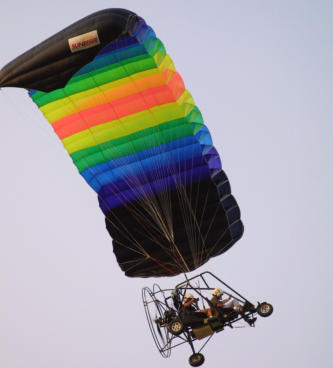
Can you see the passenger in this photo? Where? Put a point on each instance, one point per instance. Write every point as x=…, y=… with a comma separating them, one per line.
x=190, y=311
x=190, y=303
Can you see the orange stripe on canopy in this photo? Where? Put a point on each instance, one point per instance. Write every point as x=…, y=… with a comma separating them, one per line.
x=116, y=109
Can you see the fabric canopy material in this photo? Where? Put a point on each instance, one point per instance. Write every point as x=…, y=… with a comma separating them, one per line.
x=114, y=98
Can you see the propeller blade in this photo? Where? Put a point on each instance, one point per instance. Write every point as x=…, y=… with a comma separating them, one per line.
x=160, y=333
x=159, y=329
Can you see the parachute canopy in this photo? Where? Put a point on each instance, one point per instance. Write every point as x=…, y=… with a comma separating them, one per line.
x=121, y=110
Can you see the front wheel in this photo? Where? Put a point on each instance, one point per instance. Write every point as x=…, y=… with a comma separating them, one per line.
x=196, y=359
x=176, y=327
x=265, y=309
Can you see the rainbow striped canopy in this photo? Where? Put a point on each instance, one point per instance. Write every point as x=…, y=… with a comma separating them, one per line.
x=138, y=139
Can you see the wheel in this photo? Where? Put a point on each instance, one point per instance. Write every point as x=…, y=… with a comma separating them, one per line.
x=265, y=309
x=176, y=327
x=196, y=359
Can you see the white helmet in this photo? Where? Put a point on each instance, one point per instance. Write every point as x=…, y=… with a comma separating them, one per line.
x=188, y=296
x=217, y=292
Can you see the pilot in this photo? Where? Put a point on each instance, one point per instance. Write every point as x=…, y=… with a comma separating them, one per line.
x=217, y=301
x=228, y=307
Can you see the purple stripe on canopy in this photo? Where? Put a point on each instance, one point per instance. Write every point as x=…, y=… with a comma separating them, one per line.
x=109, y=199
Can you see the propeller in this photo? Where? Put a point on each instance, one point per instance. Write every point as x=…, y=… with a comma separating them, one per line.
x=157, y=321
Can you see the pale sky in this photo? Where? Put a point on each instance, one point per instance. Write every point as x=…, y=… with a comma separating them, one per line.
x=261, y=74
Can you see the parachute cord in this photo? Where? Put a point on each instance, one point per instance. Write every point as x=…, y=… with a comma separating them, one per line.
x=209, y=254
x=181, y=267
x=203, y=250
x=163, y=266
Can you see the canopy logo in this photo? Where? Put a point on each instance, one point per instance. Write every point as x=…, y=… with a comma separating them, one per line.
x=84, y=41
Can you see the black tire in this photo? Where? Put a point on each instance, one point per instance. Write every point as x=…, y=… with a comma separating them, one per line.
x=265, y=309
x=196, y=359
x=176, y=327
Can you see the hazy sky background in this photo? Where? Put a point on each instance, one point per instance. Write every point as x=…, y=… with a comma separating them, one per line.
x=261, y=74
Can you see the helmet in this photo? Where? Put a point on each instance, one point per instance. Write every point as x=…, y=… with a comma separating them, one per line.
x=188, y=296
x=217, y=292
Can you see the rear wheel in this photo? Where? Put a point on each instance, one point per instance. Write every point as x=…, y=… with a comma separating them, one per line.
x=196, y=359
x=265, y=309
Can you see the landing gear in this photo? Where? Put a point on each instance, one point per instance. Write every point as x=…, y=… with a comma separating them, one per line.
x=196, y=359
x=264, y=309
